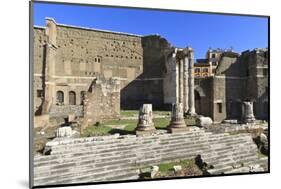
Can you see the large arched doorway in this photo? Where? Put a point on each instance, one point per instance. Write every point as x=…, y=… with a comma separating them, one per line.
x=197, y=102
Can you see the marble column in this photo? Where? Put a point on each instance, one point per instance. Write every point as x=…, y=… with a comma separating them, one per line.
x=185, y=84
x=177, y=123
x=181, y=80
x=145, y=122
x=174, y=76
x=247, y=112
x=191, y=98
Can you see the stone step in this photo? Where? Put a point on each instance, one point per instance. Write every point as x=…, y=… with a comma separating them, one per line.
x=231, y=162
x=87, y=176
x=82, y=162
x=219, y=171
x=214, y=157
x=244, y=166
x=99, y=140
x=56, y=173
x=107, y=159
x=111, y=152
x=151, y=151
x=94, y=149
x=80, y=156
x=110, y=149
x=238, y=170
x=130, y=174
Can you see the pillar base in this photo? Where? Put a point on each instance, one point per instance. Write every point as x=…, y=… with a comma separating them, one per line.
x=145, y=132
x=177, y=124
x=178, y=129
x=249, y=120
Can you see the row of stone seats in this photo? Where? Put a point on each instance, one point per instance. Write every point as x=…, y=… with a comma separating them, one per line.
x=119, y=157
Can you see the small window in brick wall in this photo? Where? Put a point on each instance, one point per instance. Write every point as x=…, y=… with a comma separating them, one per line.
x=219, y=106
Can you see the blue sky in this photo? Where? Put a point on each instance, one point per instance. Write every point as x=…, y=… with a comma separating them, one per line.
x=200, y=31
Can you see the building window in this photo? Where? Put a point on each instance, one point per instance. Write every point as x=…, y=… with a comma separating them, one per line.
x=197, y=70
x=213, y=55
x=82, y=97
x=39, y=93
x=205, y=70
x=72, y=98
x=60, y=97
x=219, y=106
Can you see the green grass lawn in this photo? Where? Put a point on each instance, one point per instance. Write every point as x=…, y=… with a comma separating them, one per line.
x=122, y=126
x=125, y=126
x=167, y=167
x=39, y=141
x=111, y=127
x=189, y=168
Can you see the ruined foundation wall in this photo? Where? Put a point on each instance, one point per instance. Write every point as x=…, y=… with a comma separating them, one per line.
x=38, y=59
x=103, y=103
x=257, y=85
x=229, y=86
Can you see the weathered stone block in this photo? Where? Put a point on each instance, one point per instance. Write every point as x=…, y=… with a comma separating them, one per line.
x=145, y=124
x=64, y=131
x=204, y=121
x=177, y=123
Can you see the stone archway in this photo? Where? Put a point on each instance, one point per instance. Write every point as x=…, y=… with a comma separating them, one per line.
x=199, y=97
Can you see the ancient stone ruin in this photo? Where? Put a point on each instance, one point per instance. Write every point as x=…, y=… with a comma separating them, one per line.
x=247, y=112
x=89, y=76
x=177, y=123
x=70, y=62
x=145, y=122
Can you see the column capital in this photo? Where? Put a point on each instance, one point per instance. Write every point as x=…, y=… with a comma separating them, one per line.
x=188, y=51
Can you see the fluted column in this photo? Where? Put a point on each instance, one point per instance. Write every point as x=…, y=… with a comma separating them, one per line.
x=177, y=123
x=247, y=112
x=185, y=84
x=191, y=98
x=175, y=74
x=145, y=124
x=181, y=81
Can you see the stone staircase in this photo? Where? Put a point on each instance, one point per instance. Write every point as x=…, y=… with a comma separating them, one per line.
x=113, y=158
